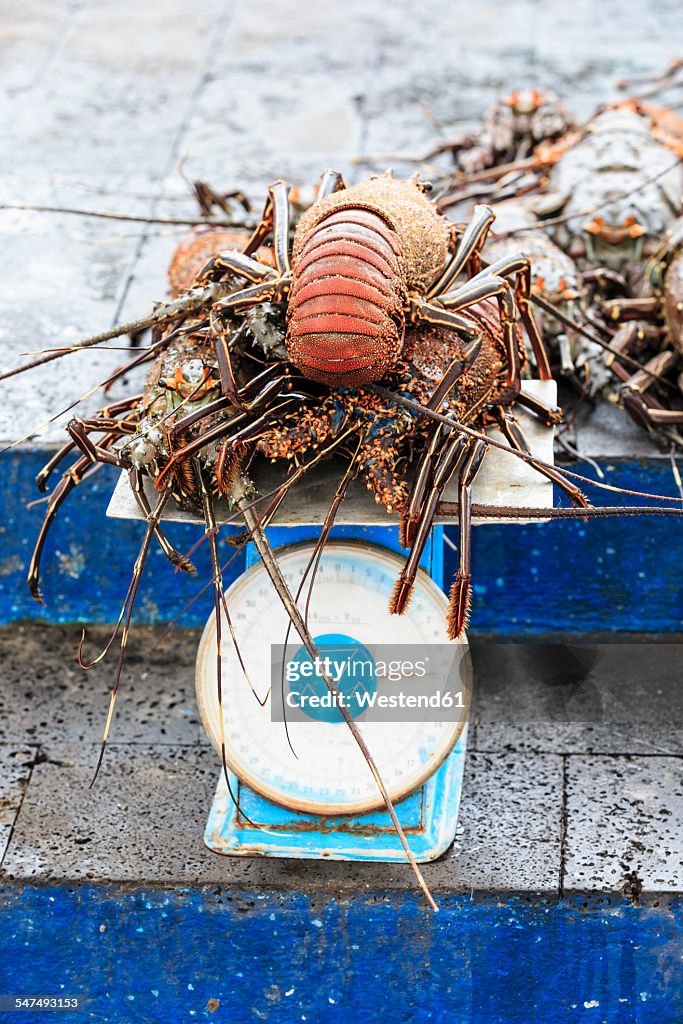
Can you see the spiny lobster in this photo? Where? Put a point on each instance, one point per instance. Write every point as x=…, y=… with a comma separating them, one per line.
x=369, y=294
x=367, y=318
x=616, y=184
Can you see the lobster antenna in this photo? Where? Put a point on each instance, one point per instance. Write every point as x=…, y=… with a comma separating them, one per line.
x=448, y=509
x=190, y=302
x=314, y=561
x=285, y=595
x=132, y=218
x=121, y=372
x=450, y=421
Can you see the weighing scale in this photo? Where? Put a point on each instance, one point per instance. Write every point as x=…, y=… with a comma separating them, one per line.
x=305, y=791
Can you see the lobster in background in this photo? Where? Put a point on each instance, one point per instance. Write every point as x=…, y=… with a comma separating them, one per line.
x=606, y=194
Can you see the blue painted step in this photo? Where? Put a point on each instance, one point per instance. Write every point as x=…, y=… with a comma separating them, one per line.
x=151, y=955
x=564, y=576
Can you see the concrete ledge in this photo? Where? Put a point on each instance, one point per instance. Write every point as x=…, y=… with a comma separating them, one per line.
x=557, y=818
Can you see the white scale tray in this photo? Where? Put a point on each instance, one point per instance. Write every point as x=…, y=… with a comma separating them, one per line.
x=503, y=479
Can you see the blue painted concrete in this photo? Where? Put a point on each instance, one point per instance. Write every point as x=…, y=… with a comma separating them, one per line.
x=567, y=576
x=152, y=955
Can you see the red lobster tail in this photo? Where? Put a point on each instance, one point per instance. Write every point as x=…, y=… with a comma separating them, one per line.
x=401, y=595
x=227, y=464
x=346, y=319
x=407, y=529
x=460, y=601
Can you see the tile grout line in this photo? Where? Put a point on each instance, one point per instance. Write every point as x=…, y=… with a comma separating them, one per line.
x=204, y=76
x=610, y=754
x=38, y=750
x=53, y=50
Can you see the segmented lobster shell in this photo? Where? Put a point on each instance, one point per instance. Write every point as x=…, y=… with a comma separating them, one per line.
x=345, y=308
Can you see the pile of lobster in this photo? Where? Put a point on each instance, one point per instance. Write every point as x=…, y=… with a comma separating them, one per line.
x=382, y=338
x=370, y=328
x=598, y=209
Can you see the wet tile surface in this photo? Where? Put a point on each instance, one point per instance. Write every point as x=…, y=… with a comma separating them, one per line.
x=46, y=698
x=145, y=816
x=539, y=809
x=141, y=819
x=579, y=698
x=624, y=823
x=510, y=824
x=16, y=763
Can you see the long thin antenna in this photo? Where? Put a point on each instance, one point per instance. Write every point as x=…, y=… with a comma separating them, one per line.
x=285, y=595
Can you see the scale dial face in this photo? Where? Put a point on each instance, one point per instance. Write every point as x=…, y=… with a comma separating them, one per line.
x=350, y=597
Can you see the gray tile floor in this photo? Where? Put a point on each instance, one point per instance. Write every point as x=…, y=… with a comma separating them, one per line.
x=103, y=101
x=568, y=803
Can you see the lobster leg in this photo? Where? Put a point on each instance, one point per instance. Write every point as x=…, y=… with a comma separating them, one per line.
x=223, y=338
x=630, y=309
x=520, y=266
x=642, y=407
x=423, y=478
x=453, y=373
x=79, y=432
x=419, y=311
x=645, y=409
x=97, y=454
x=453, y=449
x=276, y=219
x=546, y=413
x=500, y=271
x=261, y=424
x=180, y=426
x=70, y=479
x=423, y=475
x=238, y=396
x=514, y=435
x=486, y=287
x=461, y=591
x=467, y=252
x=272, y=290
x=217, y=433
x=174, y=556
x=330, y=182
x=101, y=421
x=234, y=262
x=602, y=277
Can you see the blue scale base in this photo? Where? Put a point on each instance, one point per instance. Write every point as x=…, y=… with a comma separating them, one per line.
x=428, y=816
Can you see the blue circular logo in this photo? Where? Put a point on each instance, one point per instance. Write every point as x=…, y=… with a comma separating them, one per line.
x=350, y=666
